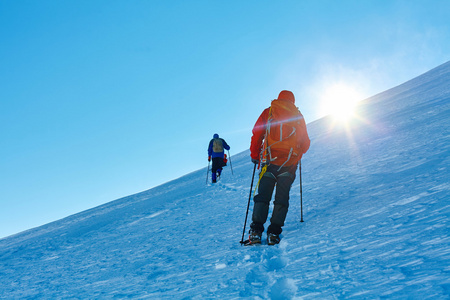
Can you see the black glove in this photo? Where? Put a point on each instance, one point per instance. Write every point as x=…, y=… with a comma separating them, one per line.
x=255, y=161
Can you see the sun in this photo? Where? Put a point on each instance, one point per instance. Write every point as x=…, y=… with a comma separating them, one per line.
x=340, y=100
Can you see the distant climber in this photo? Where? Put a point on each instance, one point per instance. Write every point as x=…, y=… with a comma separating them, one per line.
x=216, y=152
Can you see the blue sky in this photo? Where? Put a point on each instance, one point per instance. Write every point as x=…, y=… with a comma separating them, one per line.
x=103, y=99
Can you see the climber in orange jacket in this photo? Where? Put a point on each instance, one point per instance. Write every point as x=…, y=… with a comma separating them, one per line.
x=278, y=143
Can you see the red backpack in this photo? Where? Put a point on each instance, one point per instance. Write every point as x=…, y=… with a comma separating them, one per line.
x=282, y=145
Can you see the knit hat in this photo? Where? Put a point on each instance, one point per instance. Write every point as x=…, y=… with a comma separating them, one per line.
x=216, y=136
x=286, y=95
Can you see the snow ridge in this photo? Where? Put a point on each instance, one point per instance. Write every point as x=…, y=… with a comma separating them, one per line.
x=376, y=214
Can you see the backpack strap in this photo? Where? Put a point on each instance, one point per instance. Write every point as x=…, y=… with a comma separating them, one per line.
x=266, y=150
x=289, y=157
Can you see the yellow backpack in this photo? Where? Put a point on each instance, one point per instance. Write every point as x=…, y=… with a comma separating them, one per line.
x=217, y=145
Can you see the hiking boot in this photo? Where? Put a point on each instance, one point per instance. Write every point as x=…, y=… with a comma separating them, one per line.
x=254, y=237
x=273, y=239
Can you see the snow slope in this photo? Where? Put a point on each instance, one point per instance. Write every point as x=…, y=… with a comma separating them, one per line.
x=376, y=209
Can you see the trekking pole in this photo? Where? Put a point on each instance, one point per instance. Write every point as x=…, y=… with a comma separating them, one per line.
x=231, y=166
x=207, y=172
x=301, y=191
x=248, y=205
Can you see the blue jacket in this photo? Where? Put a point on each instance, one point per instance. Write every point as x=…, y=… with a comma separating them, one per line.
x=217, y=154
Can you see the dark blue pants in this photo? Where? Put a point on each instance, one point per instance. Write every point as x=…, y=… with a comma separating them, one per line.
x=217, y=164
x=282, y=179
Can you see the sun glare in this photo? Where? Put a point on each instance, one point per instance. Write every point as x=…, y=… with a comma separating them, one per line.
x=339, y=100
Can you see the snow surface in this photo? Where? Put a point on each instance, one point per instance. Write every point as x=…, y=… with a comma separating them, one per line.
x=376, y=210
